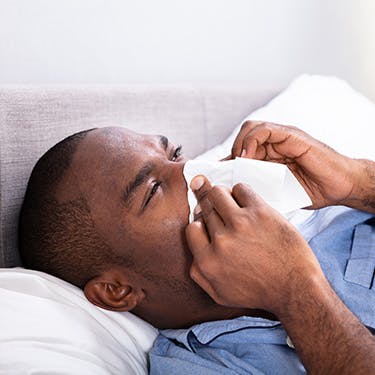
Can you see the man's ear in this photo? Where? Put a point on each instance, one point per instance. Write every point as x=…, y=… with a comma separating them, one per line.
x=112, y=291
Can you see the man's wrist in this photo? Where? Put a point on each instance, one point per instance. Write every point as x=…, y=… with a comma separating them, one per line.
x=312, y=288
x=326, y=335
x=363, y=194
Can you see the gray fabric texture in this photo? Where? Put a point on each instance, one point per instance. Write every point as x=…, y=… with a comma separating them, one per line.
x=33, y=119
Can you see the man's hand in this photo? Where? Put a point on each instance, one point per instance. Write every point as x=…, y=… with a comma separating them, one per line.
x=328, y=177
x=245, y=253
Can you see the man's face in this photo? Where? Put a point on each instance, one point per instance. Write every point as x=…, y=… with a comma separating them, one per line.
x=136, y=193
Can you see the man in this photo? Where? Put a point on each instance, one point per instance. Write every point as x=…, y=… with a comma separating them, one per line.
x=106, y=210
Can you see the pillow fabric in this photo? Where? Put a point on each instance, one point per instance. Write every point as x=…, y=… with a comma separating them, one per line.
x=325, y=107
x=49, y=327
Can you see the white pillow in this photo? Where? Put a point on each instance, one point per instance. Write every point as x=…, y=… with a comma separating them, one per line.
x=325, y=107
x=48, y=327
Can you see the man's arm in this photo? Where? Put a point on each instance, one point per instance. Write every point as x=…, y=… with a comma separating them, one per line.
x=329, y=177
x=328, y=338
x=247, y=255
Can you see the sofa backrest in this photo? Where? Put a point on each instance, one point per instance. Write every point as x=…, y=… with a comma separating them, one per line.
x=32, y=119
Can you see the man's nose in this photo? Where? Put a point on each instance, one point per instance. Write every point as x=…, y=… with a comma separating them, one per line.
x=176, y=171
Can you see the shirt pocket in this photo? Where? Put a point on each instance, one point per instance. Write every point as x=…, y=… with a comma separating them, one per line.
x=360, y=268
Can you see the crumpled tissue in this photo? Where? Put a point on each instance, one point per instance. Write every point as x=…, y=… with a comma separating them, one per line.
x=272, y=181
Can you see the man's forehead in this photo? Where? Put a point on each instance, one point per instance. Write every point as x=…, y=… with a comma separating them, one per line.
x=107, y=150
x=114, y=136
x=105, y=157
x=118, y=137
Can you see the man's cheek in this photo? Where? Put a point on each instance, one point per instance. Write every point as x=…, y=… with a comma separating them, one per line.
x=175, y=241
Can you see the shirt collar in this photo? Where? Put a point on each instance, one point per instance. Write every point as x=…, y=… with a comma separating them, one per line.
x=206, y=332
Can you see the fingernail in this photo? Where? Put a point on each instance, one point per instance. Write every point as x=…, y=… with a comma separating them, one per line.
x=243, y=153
x=198, y=223
x=197, y=209
x=197, y=183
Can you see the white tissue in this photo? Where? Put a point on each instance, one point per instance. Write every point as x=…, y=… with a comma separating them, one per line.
x=272, y=181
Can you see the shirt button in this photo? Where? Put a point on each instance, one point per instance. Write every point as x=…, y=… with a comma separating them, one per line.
x=289, y=342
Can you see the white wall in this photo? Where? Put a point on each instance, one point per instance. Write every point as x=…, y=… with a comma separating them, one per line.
x=250, y=42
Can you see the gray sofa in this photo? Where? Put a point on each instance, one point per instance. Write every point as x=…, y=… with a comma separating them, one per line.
x=32, y=119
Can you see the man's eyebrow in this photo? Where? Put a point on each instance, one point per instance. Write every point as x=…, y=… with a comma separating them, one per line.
x=139, y=179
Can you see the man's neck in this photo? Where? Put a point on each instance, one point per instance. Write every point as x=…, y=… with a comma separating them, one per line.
x=187, y=318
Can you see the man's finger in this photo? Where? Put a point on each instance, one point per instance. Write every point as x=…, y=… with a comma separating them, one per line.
x=244, y=195
x=197, y=239
x=200, y=186
x=229, y=157
x=219, y=196
x=257, y=141
x=203, y=191
x=211, y=218
x=247, y=126
x=222, y=202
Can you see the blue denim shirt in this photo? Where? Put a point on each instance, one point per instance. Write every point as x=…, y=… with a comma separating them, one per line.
x=344, y=242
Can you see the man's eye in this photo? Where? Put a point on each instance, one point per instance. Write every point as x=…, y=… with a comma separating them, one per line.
x=154, y=189
x=177, y=153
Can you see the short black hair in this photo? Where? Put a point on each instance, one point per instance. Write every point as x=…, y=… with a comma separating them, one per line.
x=60, y=238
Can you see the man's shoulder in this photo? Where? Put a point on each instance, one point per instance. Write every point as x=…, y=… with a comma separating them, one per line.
x=333, y=218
